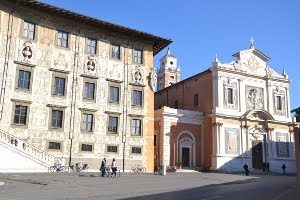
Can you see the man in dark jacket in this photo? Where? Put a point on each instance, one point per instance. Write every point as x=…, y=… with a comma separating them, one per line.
x=246, y=169
x=103, y=167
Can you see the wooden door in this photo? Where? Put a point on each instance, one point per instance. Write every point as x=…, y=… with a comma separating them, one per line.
x=185, y=157
x=257, y=155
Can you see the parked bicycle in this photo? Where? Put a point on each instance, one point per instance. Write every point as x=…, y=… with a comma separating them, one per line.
x=108, y=172
x=138, y=169
x=57, y=167
x=79, y=168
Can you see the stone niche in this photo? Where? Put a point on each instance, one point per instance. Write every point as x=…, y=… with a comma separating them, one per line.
x=27, y=52
x=90, y=65
x=254, y=98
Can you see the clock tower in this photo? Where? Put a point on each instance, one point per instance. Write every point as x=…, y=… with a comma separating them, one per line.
x=169, y=72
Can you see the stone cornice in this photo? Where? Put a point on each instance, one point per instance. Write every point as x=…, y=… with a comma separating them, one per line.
x=25, y=63
x=89, y=76
x=222, y=69
x=56, y=106
x=22, y=101
x=114, y=80
x=59, y=70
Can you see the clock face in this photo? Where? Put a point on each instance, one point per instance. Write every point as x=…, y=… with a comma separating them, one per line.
x=253, y=63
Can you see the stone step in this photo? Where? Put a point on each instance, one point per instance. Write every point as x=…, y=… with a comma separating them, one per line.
x=187, y=171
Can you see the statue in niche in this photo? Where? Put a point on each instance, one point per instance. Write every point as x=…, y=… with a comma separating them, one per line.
x=138, y=77
x=90, y=66
x=255, y=98
x=27, y=52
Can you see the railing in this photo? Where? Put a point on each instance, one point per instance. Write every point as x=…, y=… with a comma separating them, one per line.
x=29, y=149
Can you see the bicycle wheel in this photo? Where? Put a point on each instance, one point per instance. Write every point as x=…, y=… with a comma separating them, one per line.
x=52, y=169
x=133, y=170
x=143, y=170
x=62, y=169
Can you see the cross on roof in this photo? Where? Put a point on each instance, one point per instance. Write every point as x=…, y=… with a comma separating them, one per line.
x=251, y=43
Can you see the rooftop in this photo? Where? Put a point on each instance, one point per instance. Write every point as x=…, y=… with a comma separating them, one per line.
x=159, y=43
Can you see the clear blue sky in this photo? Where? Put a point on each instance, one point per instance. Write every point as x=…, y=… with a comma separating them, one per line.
x=200, y=29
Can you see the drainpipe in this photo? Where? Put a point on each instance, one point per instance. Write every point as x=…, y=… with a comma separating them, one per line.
x=74, y=93
x=6, y=59
x=125, y=109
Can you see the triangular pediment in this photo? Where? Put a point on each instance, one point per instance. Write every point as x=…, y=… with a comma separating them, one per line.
x=252, y=60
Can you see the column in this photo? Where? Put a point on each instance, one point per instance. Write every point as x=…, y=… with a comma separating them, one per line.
x=269, y=144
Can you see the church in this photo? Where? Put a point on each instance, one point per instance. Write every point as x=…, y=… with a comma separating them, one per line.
x=229, y=115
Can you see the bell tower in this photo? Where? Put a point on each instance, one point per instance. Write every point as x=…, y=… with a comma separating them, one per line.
x=169, y=72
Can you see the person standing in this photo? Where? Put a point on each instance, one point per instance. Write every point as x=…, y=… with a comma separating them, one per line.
x=246, y=169
x=114, y=168
x=283, y=167
x=103, y=167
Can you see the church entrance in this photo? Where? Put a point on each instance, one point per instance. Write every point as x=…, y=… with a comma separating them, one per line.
x=257, y=154
x=185, y=157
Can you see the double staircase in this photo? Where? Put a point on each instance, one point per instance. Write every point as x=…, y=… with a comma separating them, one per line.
x=17, y=155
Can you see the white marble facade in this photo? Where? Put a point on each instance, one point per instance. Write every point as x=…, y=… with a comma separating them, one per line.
x=251, y=105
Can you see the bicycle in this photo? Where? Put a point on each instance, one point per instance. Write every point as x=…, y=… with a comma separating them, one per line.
x=108, y=172
x=78, y=168
x=57, y=168
x=138, y=169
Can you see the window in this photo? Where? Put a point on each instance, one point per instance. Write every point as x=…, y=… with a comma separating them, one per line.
x=59, y=86
x=137, y=98
x=20, y=114
x=136, y=127
x=87, y=122
x=112, y=149
x=230, y=95
x=86, y=147
x=137, y=56
x=136, y=150
x=89, y=90
x=28, y=30
x=172, y=77
x=56, y=119
x=112, y=124
x=195, y=100
x=176, y=104
x=155, y=141
x=62, y=39
x=278, y=102
x=113, y=94
x=54, y=145
x=24, y=79
x=91, y=45
x=115, y=52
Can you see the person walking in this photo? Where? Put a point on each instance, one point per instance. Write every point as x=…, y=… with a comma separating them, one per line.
x=103, y=167
x=246, y=169
x=283, y=167
x=114, y=168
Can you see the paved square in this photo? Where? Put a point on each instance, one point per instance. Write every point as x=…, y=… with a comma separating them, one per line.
x=173, y=186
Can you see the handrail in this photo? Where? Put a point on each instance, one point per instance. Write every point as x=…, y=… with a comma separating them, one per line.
x=29, y=149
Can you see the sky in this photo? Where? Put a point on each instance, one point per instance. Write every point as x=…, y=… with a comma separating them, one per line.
x=201, y=29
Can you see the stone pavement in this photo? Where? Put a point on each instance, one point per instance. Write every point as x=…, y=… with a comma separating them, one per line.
x=90, y=186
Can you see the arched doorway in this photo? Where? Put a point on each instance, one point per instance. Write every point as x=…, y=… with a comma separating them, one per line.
x=258, y=136
x=186, y=149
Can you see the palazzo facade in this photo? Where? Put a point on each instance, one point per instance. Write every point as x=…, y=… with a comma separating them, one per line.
x=75, y=86
x=246, y=114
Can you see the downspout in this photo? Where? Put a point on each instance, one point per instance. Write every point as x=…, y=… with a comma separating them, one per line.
x=125, y=109
x=6, y=59
x=74, y=94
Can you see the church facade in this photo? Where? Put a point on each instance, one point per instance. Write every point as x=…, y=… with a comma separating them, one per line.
x=246, y=114
x=75, y=87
